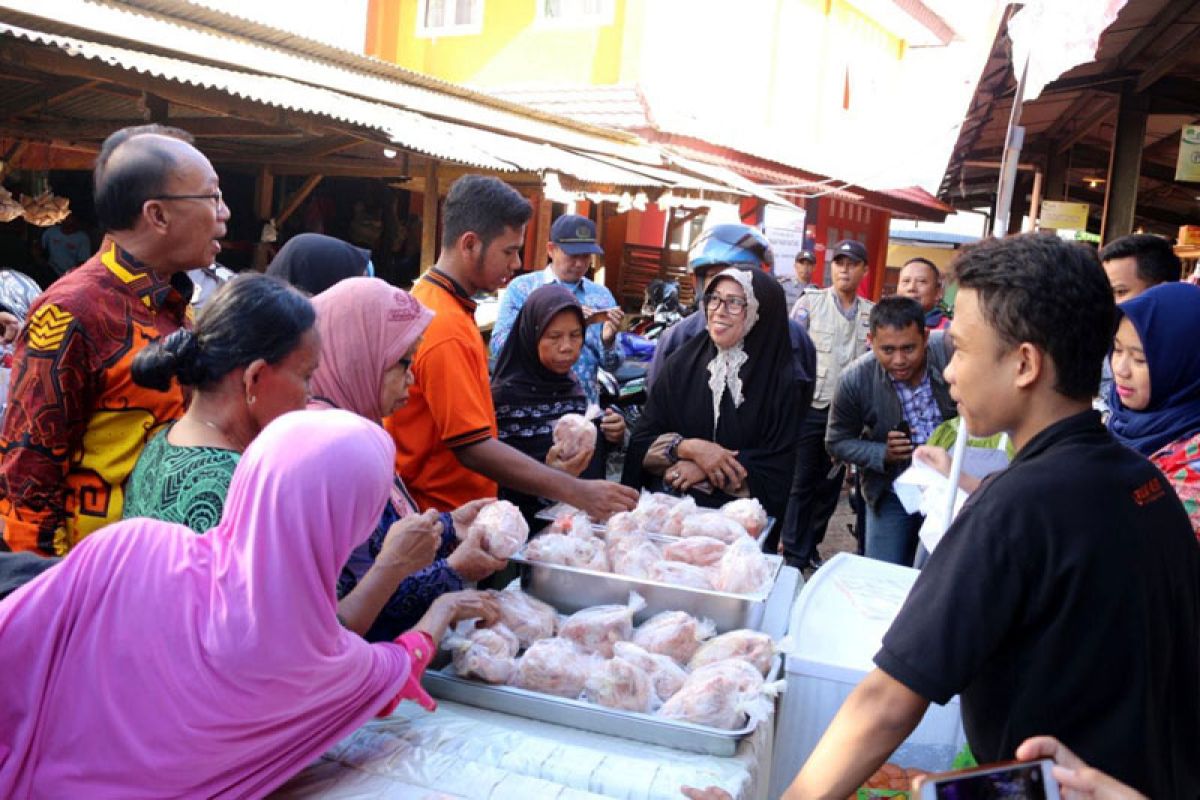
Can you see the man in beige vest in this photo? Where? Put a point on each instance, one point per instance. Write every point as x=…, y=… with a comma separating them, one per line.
x=838, y=321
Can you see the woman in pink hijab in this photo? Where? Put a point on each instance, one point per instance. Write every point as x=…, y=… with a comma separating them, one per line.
x=369, y=331
x=157, y=663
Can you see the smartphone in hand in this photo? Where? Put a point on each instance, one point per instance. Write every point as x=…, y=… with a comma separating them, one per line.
x=1010, y=780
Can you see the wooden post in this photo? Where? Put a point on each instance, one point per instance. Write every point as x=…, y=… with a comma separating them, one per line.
x=429, y=216
x=264, y=203
x=1035, y=200
x=300, y=195
x=1125, y=165
x=541, y=232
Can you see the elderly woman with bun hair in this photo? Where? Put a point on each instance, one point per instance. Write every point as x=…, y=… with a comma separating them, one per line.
x=250, y=359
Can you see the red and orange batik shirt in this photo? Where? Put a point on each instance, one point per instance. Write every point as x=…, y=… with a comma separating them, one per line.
x=76, y=421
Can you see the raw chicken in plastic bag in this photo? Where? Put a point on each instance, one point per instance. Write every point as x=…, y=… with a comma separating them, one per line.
x=744, y=569
x=700, y=551
x=652, y=509
x=489, y=654
x=747, y=512
x=574, y=434
x=673, y=526
x=568, y=551
x=637, y=559
x=575, y=523
x=623, y=522
x=677, y=573
x=676, y=634
x=714, y=524
x=554, y=666
x=752, y=646
x=595, y=629
x=719, y=697
x=617, y=683
x=666, y=676
x=501, y=528
x=526, y=616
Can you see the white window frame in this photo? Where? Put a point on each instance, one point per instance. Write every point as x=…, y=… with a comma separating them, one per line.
x=602, y=19
x=470, y=29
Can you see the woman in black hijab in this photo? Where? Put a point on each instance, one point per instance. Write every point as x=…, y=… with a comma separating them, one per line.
x=533, y=387
x=723, y=419
x=312, y=262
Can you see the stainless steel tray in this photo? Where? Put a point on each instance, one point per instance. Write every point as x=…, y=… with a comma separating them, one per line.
x=549, y=513
x=445, y=683
x=570, y=589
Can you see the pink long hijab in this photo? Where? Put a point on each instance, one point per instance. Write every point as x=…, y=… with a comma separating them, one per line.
x=156, y=663
x=366, y=327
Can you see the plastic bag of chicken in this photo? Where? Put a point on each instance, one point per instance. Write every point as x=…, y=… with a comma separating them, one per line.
x=527, y=617
x=617, y=683
x=752, y=646
x=699, y=551
x=501, y=528
x=714, y=525
x=574, y=434
x=747, y=512
x=676, y=634
x=666, y=676
x=596, y=629
x=743, y=569
x=553, y=666
x=488, y=654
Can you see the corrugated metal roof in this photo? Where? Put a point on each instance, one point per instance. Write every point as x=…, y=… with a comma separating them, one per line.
x=154, y=35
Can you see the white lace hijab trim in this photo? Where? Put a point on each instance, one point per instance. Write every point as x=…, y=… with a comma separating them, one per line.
x=725, y=368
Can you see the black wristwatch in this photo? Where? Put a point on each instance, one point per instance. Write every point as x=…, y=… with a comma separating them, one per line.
x=673, y=449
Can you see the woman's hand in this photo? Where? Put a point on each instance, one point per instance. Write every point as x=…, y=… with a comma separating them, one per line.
x=472, y=562
x=1079, y=781
x=456, y=606
x=411, y=543
x=936, y=457
x=720, y=466
x=683, y=475
x=573, y=466
x=465, y=515
x=612, y=425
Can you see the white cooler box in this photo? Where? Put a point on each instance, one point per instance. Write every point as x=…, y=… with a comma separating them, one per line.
x=837, y=625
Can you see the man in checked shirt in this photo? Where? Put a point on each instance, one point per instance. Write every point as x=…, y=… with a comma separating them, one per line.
x=887, y=402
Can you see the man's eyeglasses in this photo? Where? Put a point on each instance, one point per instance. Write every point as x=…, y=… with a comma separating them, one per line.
x=736, y=306
x=216, y=197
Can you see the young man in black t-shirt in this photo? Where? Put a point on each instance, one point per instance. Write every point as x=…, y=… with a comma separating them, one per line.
x=1065, y=599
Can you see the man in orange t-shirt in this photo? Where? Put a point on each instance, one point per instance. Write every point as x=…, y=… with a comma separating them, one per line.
x=446, y=446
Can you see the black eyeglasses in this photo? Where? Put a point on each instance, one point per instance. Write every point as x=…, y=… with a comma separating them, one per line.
x=216, y=197
x=734, y=305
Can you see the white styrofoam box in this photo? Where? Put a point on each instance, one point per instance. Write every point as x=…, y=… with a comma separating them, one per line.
x=837, y=626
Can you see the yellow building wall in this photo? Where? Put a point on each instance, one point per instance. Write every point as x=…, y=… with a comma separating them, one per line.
x=514, y=46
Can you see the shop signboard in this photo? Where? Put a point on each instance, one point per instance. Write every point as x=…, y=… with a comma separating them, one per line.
x=1058, y=215
x=1187, y=166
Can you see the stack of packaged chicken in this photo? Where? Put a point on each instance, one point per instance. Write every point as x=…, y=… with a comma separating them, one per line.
x=672, y=665
x=666, y=539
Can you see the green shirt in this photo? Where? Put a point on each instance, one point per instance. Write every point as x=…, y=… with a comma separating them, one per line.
x=185, y=485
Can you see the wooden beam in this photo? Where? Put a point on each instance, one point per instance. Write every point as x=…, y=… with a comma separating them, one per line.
x=51, y=92
x=1081, y=104
x=200, y=127
x=429, y=215
x=542, y=210
x=1103, y=110
x=298, y=197
x=12, y=155
x=1151, y=34
x=1168, y=60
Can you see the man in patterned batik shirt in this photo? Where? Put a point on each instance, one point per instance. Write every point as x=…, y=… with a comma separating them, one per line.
x=76, y=421
x=571, y=247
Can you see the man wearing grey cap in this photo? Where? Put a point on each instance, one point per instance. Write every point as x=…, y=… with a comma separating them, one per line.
x=571, y=247
x=804, y=265
x=838, y=321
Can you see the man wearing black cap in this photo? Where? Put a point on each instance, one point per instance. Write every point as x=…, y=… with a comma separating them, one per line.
x=571, y=247
x=805, y=263
x=838, y=321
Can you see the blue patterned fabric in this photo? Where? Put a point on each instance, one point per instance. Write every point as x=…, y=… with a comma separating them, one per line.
x=588, y=293
x=416, y=593
x=920, y=408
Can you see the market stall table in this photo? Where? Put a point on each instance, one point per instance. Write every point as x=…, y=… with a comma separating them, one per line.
x=461, y=751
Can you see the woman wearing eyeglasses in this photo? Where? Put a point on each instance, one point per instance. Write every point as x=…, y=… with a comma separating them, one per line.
x=722, y=420
x=369, y=331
